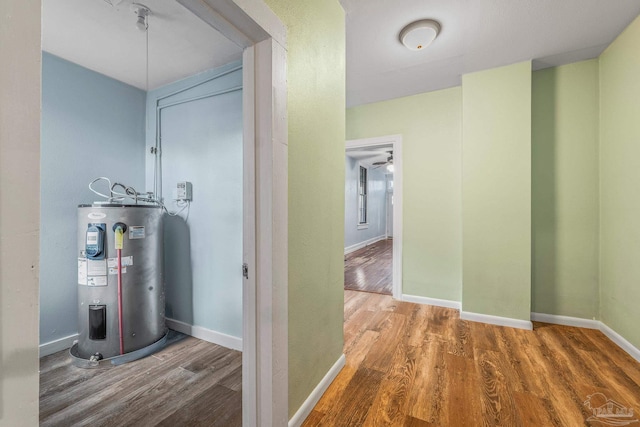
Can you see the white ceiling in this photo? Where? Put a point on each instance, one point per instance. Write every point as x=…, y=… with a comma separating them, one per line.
x=369, y=155
x=476, y=35
x=104, y=38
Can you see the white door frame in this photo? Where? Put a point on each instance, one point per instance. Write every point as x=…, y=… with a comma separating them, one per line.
x=388, y=200
x=255, y=28
x=396, y=142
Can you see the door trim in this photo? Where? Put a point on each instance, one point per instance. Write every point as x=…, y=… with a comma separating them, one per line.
x=387, y=200
x=254, y=27
x=396, y=142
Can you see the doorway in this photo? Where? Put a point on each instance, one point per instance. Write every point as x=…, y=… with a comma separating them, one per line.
x=369, y=269
x=99, y=103
x=373, y=215
x=264, y=81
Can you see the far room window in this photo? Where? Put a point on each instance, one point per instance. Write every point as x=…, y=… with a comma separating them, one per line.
x=362, y=196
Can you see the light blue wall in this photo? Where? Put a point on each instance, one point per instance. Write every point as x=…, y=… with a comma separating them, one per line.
x=92, y=126
x=202, y=143
x=376, y=204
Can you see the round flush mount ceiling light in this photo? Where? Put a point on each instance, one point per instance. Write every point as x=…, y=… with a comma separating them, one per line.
x=419, y=34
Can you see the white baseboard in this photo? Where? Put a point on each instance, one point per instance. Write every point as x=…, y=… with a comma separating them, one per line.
x=620, y=341
x=496, y=320
x=57, y=345
x=303, y=412
x=361, y=245
x=219, y=338
x=205, y=334
x=432, y=301
x=566, y=320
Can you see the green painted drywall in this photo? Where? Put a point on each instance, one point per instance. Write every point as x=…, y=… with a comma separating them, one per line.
x=620, y=184
x=496, y=191
x=565, y=117
x=430, y=125
x=316, y=115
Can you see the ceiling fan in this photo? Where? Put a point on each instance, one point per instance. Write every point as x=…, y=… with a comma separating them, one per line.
x=363, y=154
x=388, y=162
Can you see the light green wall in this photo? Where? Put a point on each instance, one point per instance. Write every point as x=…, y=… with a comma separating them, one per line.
x=496, y=191
x=620, y=184
x=316, y=105
x=564, y=182
x=496, y=181
x=549, y=177
x=565, y=117
x=430, y=125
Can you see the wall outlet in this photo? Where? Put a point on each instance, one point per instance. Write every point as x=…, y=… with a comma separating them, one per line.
x=184, y=191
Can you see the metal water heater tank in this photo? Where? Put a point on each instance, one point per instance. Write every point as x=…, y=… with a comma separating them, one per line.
x=120, y=280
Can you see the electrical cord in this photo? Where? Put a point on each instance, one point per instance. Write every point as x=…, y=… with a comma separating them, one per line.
x=110, y=196
x=186, y=204
x=131, y=193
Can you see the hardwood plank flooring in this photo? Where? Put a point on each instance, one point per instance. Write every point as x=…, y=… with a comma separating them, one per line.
x=189, y=383
x=417, y=365
x=370, y=269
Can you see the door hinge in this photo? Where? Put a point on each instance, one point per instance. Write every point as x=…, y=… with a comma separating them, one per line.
x=245, y=270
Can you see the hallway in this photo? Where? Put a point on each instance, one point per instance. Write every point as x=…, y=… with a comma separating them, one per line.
x=419, y=365
x=370, y=269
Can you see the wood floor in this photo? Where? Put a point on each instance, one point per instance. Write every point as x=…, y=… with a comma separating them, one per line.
x=189, y=383
x=418, y=365
x=370, y=269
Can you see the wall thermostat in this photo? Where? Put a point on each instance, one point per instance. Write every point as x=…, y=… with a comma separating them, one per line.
x=183, y=191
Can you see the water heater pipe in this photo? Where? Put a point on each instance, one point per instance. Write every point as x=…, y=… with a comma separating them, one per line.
x=120, y=328
x=119, y=229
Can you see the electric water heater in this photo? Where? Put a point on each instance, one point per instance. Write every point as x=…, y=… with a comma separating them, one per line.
x=120, y=282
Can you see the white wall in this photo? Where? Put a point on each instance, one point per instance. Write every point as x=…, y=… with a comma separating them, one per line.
x=376, y=215
x=19, y=210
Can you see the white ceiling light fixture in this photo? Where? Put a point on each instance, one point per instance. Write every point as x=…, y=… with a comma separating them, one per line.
x=142, y=23
x=142, y=12
x=420, y=34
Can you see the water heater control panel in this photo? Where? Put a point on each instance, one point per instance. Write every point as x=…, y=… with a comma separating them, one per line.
x=183, y=191
x=94, y=243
